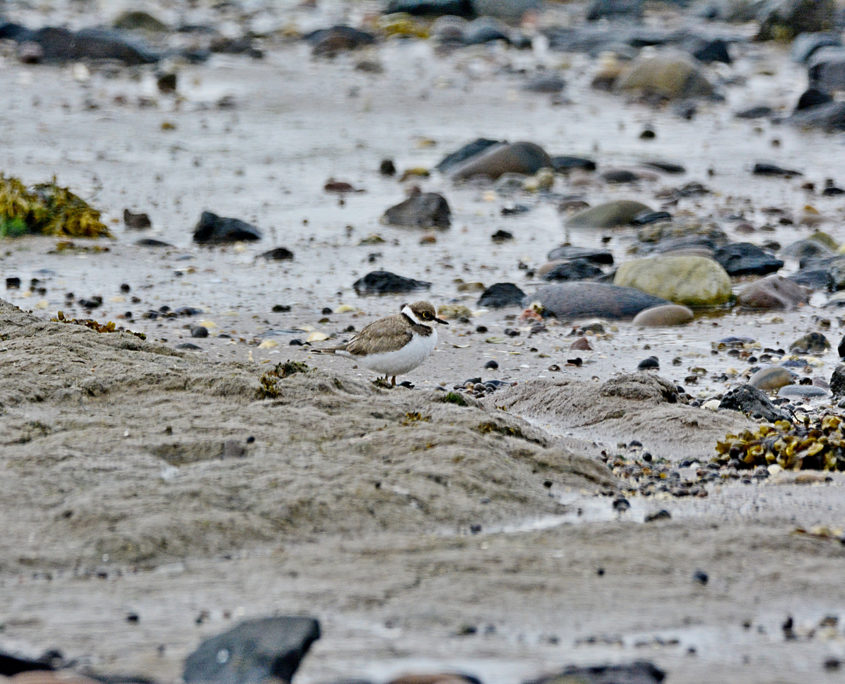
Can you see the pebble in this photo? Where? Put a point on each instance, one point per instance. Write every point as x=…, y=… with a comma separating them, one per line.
x=664, y=315
x=501, y=295
x=608, y=215
x=772, y=292
x=214, y=230
x=520, y=157
x=383, y=282
x=650, y=363
x=771, y=378
x=420, y=210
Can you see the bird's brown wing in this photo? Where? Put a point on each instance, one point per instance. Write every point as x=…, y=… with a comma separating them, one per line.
x=377, y=337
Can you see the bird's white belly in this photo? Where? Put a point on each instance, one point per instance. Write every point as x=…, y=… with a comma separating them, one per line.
x=402, y=360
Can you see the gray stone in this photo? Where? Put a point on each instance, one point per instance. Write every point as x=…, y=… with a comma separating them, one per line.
x=782, y=19
x=837, y=381
x=520, y=157
x=772, y=292
x=589, y=299
x=216, y=230
x=420, y=210
x=772, y=378
x=670, y=76
x=806, y=44
x=743, y=258
x=637, y=672
x=253, y=651
x=811, y=343
x=385, y=282
x=802, y=391
x=753, y=402
x=500, y=295
x=665, y=315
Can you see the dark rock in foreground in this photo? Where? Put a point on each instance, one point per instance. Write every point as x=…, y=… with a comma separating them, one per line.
x=255, y=650
x=638, y=672
x=64, y=45
x=385, y=282
x=500, y=295
x=837, y=379
x=743, y=258
x=420, y=210
x=577, y=269
x=218, y=230
x=596, y=256
x=755, y=403
x=585, y=299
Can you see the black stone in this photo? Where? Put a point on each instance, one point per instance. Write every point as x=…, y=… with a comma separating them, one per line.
x=199, y=331
x=432, y=8
x=596, y=256
x=215, y=230
x=619, y=176
x=469, y=150
x=812, y=97
x=278, y=254
x=253, y=651
x=650, y=363
x=501, y=236
x=815, y=279
x=662, y=514
x=545, y=83
x=137, y=221
x=420, y=210
x=700, y=576
x=837, y=378
x=743, y=258
x=577, y=269
x=152, y=242
x=13, y=283
x=637, y=672
x=387, y=167
x=587, y=298
x=328, y=42
x=764, y=169
x=751, y=401
x=564, y=163
x=384, y=282
x=665, y=166
x=483, y=30
x=708, y=51
x=756, y=112
x=493, y=365
x=614, y=9
x=501, y=295
x=650, y=217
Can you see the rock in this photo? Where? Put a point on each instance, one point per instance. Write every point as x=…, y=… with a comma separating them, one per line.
x=432, y=8
x=808, y=248
x=812, y=97
x=612, y=9
x=802, y=391
x=826, y=70
x=608, y=215
x=576, y=269
x=437, y=678
x=520, y=157
x=765, y=169
x=649, y=363
x=665, y=166
x=637, y=672
x=217, y=230
x=385, y=282
x=814, y=279
x=812, y=343
x=12, y=664
x=501, y=295
x=485, y=30
x=772, y=292
x=591, y=299
x=565, y=164
x=508, y=10
x=692, y=280
x=545, y=83
x=828, y=117
x=840, y=349
x=254, y=650
x=137, y=20
x=771, y=378
x=30, y=52
x=277, y=254
x=805, y=45
x=596, y=256
x=472, y=149
x=708, y=51
x=420, y=210
x=753, y=402
x=755, y=112
x=136, y=221
x=668, y=76
x=152, y=242
x=328, y=42
x=619, y=176
x=63, y=45
x=837, y=380
x=784, y=19
x=743, y=258
x=667, y=314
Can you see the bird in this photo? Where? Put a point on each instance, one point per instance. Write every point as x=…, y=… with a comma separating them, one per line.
x=395, y=344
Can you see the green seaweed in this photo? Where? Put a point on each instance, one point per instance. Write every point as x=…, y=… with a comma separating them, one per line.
x=454, y=398
x=46, y=209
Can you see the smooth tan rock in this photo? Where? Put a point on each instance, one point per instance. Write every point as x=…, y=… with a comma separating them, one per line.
x=771, y=378
x=773, y=292
x=521, y=157
x=668, y=314
x=690, y=280
x=668, y=75
x=608, y=215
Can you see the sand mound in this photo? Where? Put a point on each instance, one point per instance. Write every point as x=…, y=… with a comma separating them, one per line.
x=125, y=449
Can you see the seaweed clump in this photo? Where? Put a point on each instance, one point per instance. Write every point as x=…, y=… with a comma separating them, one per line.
x=46, y=209
x=267, y=381
x=109, y=327
x=816, y=443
